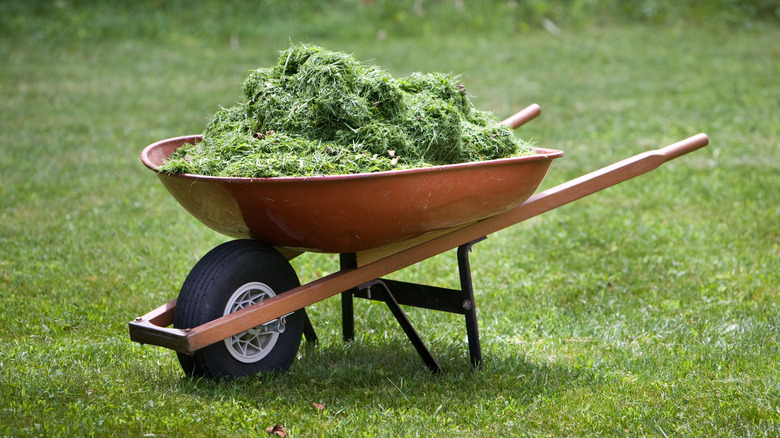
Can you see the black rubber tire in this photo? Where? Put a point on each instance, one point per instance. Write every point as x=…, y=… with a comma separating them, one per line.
x=206, y=291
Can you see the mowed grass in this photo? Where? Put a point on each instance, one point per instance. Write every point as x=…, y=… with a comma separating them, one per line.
x=647, y=309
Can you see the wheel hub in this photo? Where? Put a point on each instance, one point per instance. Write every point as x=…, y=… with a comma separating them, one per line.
x=254, y=344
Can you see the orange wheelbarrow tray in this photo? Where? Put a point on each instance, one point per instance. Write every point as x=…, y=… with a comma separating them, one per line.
x=378, y=223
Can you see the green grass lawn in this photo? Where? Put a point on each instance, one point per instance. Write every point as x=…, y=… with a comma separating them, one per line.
x=651, y=308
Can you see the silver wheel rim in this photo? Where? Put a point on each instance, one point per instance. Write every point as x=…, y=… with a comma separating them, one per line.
x=254, y=344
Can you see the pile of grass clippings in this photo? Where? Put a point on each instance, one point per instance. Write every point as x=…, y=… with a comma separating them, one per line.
x=318, y=112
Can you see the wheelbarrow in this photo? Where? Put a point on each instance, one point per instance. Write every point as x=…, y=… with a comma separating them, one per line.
x=241, y=309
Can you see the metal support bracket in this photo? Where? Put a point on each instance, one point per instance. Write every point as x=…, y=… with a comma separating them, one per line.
x=308, y=329
x=396, y=293
x=383, y=293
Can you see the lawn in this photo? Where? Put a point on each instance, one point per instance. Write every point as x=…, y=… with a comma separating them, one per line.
x=651, y=308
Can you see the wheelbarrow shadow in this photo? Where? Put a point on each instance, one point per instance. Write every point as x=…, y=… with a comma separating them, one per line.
x=389, y=375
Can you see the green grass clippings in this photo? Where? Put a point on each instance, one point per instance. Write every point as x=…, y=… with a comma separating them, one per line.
x=318, y=112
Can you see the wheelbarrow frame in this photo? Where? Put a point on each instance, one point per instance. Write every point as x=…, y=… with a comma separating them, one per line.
x=361, y=272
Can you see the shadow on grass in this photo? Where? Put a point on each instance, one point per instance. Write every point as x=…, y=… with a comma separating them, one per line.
x=388, y=374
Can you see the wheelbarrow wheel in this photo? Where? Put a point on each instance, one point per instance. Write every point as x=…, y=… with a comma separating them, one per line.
x=228, y=278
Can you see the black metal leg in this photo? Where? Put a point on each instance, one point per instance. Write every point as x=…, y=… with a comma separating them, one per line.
x=347, y=317
x=469, y=307
x=347, y=261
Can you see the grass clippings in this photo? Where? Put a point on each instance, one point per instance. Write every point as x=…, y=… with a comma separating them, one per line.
x=318, y=112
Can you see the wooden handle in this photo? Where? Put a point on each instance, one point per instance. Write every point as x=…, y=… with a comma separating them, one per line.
x=523, y=116
x=683, y=147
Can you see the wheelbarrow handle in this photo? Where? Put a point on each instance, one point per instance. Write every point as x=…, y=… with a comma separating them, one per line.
x=683, y=147
x=523, y=116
